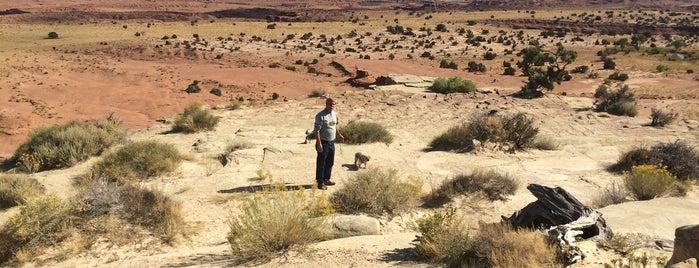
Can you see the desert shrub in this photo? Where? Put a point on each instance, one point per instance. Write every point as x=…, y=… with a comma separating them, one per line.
x=443, y=238
x=474, y=67
x=17, y=189
x=40, y=223
x=317, y=93
x=457, y=138
x=545, y=143
x=53, y=35
x=215, y=91
x=276, y=220
x=646, y=182
x=612, y=194
x=619, y=76
x=624, y=244
x=490, y=184
x=517, y=130
x=580, y=69
x=377, y=192
x=660, y=118
x=448, y=65
x=238, y=144
x=193, y=87
x=520, y=130
x=137, y=161
x=194, y=119
x=662, y=68
x=235, y=104
x=452, y=85
x=154, y=211
x=62, y=146
x=359, y=132
x=678, y=157
x=621, y=102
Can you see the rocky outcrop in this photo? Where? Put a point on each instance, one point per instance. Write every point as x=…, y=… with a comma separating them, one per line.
x=686, y=246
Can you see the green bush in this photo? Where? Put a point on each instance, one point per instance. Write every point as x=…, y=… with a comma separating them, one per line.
x=520, y=130
x=445, y=238
x=621, y=102
x=360, y=132
x=17, y=189
x=659, y=118
x=491, y=184
x=137, y=161
x=646, y=182
x=194, y=119
x=63, y=146
x=41, y=222
x=619, y=76
x=452, y=85
x=678, y=157
x=376, y=192
x=274, y=221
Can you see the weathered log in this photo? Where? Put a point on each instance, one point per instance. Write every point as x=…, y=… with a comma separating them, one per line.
x=562, y=216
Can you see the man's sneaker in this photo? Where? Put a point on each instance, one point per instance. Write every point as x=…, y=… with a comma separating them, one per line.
x=321, y=186
x=329, y=183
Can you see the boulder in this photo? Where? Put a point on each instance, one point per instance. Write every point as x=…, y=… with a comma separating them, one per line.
x=340, y=226
x=686, y=245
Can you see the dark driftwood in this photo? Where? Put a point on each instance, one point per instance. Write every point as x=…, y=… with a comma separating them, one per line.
x=562, y=216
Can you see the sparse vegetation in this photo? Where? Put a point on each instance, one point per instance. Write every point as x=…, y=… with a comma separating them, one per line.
x=377, y=192
x=195, y=118
x=360, y=132
x=544, y=68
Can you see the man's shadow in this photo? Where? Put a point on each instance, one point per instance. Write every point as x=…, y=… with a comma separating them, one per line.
x=264, y=187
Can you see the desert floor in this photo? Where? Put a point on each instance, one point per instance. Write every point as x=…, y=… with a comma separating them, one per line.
x=46, y=82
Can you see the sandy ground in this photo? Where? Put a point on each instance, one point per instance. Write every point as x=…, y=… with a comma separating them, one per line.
x=144, y=87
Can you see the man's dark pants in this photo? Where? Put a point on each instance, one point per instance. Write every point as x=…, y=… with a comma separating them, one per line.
x=325, y=161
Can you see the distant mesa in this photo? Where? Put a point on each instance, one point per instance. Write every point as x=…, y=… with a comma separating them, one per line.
x=12, y=11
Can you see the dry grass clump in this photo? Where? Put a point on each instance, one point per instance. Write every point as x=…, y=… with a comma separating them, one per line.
x=195, y=118
x=42, y=222
x=646, y=182
x=154, y=211
x=490, y=184
x=678, y=157
x=515, y=130
x=276, y=220
x=660, y=118
x=359, y=132
x=64, y=145
x=17, y=189
x=136, y=161
x=444, y=238
x=612, y=194
x=377, y=192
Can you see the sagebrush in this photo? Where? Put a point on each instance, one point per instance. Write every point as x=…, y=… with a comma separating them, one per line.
x=377, y=192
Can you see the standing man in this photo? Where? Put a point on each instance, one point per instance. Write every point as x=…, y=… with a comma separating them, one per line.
x=327, y=131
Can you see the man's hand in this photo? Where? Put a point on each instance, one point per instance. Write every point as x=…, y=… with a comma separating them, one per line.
x=341, y=138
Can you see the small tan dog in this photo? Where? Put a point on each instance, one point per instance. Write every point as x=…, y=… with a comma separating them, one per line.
x=361, y=159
